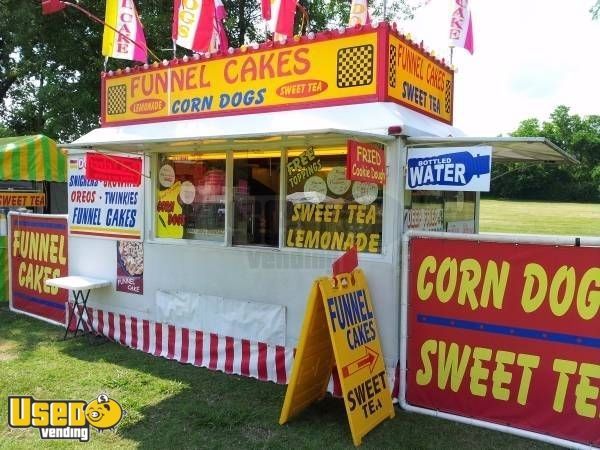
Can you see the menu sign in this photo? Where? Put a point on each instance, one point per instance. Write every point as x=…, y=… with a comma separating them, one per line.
x=103, y=208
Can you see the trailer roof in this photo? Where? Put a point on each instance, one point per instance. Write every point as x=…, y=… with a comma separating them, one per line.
x=365, y=121
x=504, y=149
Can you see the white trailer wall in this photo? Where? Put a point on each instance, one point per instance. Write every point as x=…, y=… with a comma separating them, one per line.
x=274, y=276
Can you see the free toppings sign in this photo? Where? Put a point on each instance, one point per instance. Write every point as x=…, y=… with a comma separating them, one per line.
x=38, y=250
x=326, y=210
x=365, y=162
x=506, y=336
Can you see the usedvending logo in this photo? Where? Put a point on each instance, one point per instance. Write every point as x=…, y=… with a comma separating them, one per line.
x=64, y=419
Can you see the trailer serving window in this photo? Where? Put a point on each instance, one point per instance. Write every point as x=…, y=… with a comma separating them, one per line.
x=191, y=196
x=322, y=210
x=452, y=211
x=256, y=197
x=325, y=210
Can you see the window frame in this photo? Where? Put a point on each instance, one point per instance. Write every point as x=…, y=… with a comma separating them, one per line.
x=151, y=199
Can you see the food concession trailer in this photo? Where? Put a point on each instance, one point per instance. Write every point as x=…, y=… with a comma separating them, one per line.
x=244, y=198
x=33, y=172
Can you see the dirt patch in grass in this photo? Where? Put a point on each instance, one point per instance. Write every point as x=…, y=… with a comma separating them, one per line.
x=8, y=351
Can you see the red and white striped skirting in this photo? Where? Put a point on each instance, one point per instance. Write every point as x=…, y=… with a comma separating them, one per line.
x=228, y=354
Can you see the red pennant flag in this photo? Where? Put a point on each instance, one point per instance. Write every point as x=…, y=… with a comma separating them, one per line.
x=346, y=263
x=52, y=6
x=265, y=7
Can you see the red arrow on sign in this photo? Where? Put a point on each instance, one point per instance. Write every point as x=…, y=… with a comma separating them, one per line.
x=368, y=360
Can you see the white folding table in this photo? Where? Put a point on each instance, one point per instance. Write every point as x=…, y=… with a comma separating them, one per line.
x=81, y=287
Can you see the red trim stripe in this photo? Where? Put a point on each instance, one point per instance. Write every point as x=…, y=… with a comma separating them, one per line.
x=245, y=365
x=185, y=345
x=157, y=339
x=110, y=235
x=134, y=333
x=146, y=336
x=199, y=350
x=214, y=351
x=229, y=354
x=280, y=364
x=111, y=326
x=262, y=361
x=122, y=330
x=218, y=357
x=171, y=342
x=100, y=322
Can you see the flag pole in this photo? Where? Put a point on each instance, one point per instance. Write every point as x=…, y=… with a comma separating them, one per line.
x=102, y=22
x=451, y=54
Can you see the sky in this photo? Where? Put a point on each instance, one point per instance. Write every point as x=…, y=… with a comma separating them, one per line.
x=530, y=56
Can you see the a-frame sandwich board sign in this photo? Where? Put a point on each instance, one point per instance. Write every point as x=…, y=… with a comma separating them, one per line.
x=340, y=327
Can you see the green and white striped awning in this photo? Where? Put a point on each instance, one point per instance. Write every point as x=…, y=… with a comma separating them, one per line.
x=32, y=158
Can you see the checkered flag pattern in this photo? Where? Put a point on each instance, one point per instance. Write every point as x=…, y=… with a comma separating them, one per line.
x=392, y=66
x=116, y=99
x=355, y=66
x=448, y=97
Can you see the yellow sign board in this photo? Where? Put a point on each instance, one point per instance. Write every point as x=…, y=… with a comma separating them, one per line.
x=344, y=304
x=358, y=65
x=17, y=199
x=418, y=81
x=310, y=376
x=307, y=73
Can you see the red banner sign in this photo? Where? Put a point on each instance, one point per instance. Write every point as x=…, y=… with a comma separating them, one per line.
x=365, y=162
x=112, y=168
x=38, y=250
x=507, y=334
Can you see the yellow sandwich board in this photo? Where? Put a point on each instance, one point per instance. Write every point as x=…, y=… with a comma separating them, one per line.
x=340, y=321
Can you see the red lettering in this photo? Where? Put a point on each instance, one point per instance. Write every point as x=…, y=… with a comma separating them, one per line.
x=165, y=206
x=302, y=62
x=283, y=61
x=248, y=71
x=226, y=74
x=266, y=64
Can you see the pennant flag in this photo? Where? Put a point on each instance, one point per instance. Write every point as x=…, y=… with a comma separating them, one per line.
x=198, y=25
x=265, y=7
x=346, y=263
x=359, y=13
x=52, y=6
x=219, y=40
x=282, y=17
x=128, y=41
x=461, y=26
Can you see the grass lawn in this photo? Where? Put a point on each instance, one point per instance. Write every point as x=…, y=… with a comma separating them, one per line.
x=170, y=405
x=173, y=405
x=573, y=219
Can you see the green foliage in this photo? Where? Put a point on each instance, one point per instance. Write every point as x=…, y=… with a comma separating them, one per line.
x=558, y=182
x=595, y=10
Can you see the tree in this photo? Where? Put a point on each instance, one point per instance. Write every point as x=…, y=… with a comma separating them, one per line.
x=580, y=182
x=595, y=10
x=50, y=65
